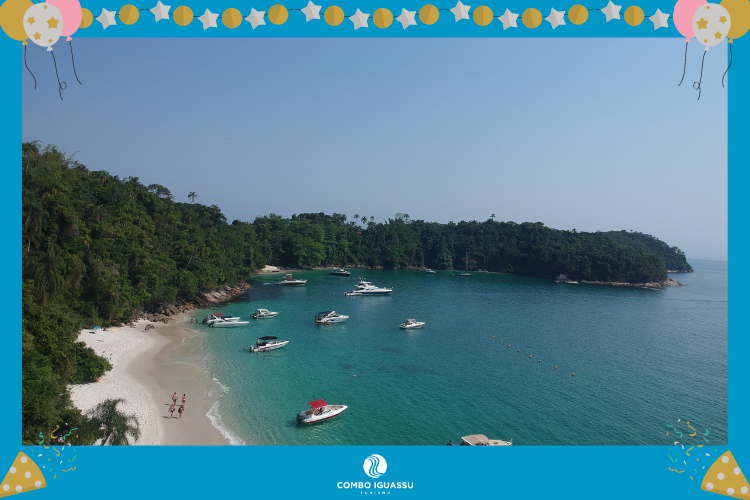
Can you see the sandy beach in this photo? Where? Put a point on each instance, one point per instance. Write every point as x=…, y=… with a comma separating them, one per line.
x=148, y=367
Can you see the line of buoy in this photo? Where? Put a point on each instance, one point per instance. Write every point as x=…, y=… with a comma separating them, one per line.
x=530, y=356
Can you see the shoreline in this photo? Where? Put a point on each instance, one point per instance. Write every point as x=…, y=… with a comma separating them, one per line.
x=148, y=366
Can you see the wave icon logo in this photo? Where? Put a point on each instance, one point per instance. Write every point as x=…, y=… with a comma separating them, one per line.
x=375, y=466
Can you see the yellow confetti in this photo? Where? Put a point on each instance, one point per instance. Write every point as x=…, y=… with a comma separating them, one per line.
x=694, y=431
x=677, y=471
x=688, y=451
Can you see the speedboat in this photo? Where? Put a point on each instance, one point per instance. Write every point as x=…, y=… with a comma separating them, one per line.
x=319, y=411
x=328, y=317
x=264, y=313
x=209, y=320
x=268, y=343
x=288, y=279
x=341, y=272
x=429, y=271
x=482, y=440
x=228, y=324
x=411, y=323
x=464, y=273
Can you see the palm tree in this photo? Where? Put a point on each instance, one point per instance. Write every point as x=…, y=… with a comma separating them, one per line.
x=492, y=217
x=192, y=196
x=116, y=425
x=364, y=219
x=47, y=274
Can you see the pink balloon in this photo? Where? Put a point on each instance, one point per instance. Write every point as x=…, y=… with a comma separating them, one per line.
x=72, y=15
x=683, y=16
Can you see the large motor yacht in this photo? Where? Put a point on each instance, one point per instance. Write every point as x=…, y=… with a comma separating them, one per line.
x=264, y=313
x=290, y=280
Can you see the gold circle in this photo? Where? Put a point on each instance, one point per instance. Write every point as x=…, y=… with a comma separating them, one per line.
x=531, y=18
x=382, y=18
x=86, y=18
x=278, y=14
x=231, y=18
x=578, y=14
x=129, y=14
x=334, y=15
x=483, y=15
x=634, y=15
x=429, y=14
x=183, y=15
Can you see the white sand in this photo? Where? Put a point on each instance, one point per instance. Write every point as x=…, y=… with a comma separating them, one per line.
x=120, y=346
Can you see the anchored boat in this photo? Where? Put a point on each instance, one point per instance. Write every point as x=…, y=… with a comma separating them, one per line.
x=341, y=272
x=268, y=343
x=329, y=317
x=264, y=313
x=319, y=411
x=290, y=280
x=411, y=323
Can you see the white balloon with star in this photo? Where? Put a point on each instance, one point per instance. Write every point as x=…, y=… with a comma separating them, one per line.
x=43, y=23
x=711, y=23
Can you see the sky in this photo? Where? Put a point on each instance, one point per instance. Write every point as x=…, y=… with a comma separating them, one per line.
x=591, y=134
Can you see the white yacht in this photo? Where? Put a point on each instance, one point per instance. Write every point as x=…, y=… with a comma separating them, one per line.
x=353, y=293
x=264, y=313
x=228, y=324
x=482, y=440
x=429, y=271
x=411, y=323
x=329, y=317
x=290, y=280
x=341, y=272
x=367, y=288
x=210, y=320
x=319, y=411
x=268, y=343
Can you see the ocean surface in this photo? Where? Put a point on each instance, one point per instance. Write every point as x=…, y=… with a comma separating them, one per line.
x=642, y=360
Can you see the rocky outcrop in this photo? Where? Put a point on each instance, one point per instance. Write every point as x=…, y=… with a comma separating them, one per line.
x=162, y=312
x=669, y=282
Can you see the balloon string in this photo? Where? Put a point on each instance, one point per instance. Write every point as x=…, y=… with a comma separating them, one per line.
x=27, y=66
x=698, y=88
x=74, y=62
x=60, y=87
x=684, y=65
x=730, y=64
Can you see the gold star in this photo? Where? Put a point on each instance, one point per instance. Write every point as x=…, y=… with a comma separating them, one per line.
x=52, y=23
x=722, y=19
x=30, y=20
x=708, y=7
x=717, y=35
x=701, y=24
x=50, y=40
x=45, y=6
x=37, y=36
x=705, y=41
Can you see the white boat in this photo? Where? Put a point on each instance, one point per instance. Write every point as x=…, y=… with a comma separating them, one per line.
x=411, y=323
x=466, y=272
x=264, y=313
x=341, y=272
x=329, y=317
x=353, y=293
x=482, y=440
x=228, y=324
x=429, y=271
x=319, y=411
x=290, y=280
x=209, y=320
x=268, y=343
x=367, y=288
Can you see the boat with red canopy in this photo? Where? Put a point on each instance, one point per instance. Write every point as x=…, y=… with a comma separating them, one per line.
x=319, y=410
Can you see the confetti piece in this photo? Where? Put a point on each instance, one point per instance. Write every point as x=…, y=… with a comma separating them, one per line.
x=41, y=436
x=700, y=446
x=695, y=470
x=691, y=478
x=694, y=431
x=58, y=453
x=676, y=431
x=677, y=471
x=55, y=476
x=677, y=442
x=704, y=436
x=688, y=451
x=71, y=432
x=708, y=455
x=68, y=470
x=39, y=455
x=672, y=459
x=53, y=432
x=71, y=459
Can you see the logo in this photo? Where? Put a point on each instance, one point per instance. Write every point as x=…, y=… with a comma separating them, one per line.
x=375, y=466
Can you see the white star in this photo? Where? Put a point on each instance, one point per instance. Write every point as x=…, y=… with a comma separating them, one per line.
x=461, y=11
x=256, y=18
x=407, y=18
x=359, y=19
x=311, y=12
x=107, y=18
x=208, y=19
x=509, y=20
x=556, y=18
x=161, y=11
x=612, y=11
x=660, y=20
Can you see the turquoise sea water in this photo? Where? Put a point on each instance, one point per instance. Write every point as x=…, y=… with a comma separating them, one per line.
x=642, y=359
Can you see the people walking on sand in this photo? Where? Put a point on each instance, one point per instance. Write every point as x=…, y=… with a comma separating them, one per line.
x=174, y=398
x=182, y=408
x=171, y=411
x=183, y=399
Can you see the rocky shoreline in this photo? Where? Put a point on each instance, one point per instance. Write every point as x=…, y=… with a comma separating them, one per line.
x=162, y=312
x=668, y=283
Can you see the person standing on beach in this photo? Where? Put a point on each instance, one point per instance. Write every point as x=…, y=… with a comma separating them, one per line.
x=174, y=398
x=171, y=411
x=184, y=398
x=182, y=408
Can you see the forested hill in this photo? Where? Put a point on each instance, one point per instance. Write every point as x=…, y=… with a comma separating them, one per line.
x=97, y=249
